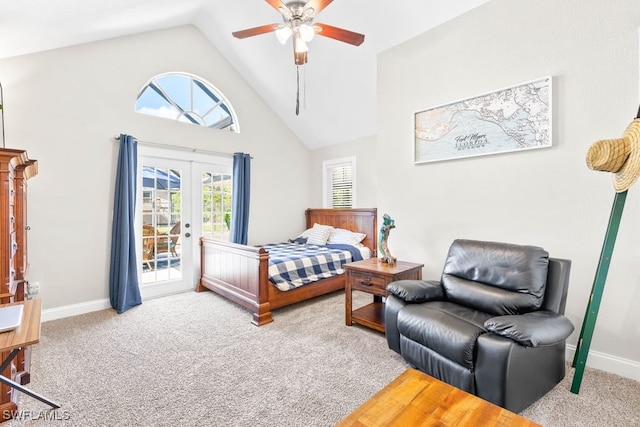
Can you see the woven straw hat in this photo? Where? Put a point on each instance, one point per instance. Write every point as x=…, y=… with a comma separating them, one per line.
x=620, y=156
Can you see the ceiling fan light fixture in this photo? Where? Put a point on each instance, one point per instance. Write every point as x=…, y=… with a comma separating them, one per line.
x=299, y=46
x=283, y=33
x=306, y=32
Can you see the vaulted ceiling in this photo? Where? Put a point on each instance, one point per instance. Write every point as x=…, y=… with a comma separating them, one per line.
x=338, y=84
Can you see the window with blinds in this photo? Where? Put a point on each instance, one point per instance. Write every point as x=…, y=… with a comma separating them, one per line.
x=339, y=183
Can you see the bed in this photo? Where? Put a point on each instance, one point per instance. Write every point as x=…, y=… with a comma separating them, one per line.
x=240, y=272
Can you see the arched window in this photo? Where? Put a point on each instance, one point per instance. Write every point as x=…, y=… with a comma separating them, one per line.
x=186, y=98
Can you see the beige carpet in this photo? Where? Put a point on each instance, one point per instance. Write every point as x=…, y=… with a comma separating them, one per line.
x=194, y=359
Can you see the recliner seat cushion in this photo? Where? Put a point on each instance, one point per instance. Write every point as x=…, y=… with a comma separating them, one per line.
x=496, y=278
x=448, y=329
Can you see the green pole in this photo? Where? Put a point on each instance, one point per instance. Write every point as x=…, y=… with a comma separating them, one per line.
x=589, y=322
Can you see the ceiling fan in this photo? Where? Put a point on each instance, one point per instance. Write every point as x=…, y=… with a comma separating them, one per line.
x=298, y=24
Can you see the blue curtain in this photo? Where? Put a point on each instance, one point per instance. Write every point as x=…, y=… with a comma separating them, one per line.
x=124, y=291
x=240, y=198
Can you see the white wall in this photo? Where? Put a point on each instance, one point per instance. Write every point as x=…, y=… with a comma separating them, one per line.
x=545, y=197
x=65, y=106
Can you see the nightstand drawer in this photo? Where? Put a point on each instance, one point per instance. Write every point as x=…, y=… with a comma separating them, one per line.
x=369, y=283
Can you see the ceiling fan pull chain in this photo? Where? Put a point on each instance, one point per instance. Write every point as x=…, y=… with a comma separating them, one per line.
x=304, y=88
x=297, y=90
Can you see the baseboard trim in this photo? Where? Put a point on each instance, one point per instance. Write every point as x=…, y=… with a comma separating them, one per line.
x=95, y=305
x=609, y=363
x=75, y=309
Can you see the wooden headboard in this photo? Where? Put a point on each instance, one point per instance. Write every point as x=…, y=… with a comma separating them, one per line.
x=362, y=220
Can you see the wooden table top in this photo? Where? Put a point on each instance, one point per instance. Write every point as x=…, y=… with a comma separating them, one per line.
x=29, y=330
x=416, y=399
x=377, y=266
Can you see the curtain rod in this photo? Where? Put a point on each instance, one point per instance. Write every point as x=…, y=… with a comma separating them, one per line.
x=177, y=147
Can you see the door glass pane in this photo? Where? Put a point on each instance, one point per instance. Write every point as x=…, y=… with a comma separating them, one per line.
x=161, y=219
x=216, y=205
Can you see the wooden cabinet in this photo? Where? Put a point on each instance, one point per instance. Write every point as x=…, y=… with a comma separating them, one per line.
x=372, y=276
x=15, y=169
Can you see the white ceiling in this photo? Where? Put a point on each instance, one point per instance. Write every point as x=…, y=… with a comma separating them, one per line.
x=339, y=81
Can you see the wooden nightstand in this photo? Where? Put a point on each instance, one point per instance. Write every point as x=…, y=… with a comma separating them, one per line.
x=372, y=276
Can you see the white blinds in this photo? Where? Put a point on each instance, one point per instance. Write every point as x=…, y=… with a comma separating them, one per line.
x=341, y=185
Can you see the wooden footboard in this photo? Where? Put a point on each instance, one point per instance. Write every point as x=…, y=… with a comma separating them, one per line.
x=241, y=273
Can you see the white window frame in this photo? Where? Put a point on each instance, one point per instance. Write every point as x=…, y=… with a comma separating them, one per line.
x=327, y=186
x=185, y=112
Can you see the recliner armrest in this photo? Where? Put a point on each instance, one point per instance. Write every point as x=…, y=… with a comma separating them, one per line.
x=532, y=329
x=416, y=290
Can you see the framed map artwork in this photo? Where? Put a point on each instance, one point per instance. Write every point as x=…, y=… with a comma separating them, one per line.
x=511, y=119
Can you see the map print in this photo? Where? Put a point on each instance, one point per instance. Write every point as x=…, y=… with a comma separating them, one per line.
x=516, y=118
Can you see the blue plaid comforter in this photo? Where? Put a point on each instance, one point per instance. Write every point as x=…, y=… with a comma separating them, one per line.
x=292, y=265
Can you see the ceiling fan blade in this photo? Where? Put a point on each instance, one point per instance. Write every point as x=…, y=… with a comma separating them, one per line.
x=276, y=4
x=340, y=34
x=317, y=5
x=255, y=31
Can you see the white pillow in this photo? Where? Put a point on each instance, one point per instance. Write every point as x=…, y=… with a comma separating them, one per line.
x=345, y=237
x=318, y=234
x=308, y=231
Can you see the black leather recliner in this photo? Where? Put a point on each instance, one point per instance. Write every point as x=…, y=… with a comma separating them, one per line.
x=492, y=326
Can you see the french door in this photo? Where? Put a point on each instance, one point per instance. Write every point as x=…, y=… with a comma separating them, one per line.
x=179, y=200
x=164, y=211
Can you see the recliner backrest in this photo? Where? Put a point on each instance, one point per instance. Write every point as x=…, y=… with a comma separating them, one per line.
x=555, y=294
x=497, y=278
